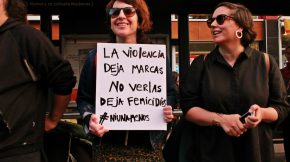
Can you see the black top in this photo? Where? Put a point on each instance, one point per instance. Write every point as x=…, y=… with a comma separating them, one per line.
x=214, y=85
x=23, y=100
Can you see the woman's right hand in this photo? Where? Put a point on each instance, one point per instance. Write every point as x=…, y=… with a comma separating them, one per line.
x=96, y=128
x=232, y=125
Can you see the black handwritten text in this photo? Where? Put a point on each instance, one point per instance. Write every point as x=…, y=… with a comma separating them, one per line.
x=151, y=88
x=146, y=69
x=143, y=54
x=113, y=102
x=114, y=69
x=129, y=118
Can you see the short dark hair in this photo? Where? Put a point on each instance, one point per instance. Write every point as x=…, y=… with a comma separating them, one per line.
x=144, y=19
x=243, y=17
x=16, y=9
x=142, y=12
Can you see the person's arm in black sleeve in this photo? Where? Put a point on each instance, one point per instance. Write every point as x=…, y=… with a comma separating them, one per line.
x=56, y=73
x=190, y=90
x=86, y=89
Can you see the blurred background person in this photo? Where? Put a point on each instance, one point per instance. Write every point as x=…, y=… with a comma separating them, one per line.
x=175, y=76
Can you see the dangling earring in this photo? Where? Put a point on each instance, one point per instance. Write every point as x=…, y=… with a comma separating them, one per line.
x=239, y=34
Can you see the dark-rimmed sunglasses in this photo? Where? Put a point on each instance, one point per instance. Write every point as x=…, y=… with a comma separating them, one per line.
x=220, y=19
x=115, y=12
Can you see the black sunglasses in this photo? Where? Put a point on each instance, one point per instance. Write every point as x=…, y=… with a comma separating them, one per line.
x=220, y=19
x=115, y=12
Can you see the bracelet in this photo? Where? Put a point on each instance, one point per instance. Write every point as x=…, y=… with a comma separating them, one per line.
x=216, y=122
x=220, y=115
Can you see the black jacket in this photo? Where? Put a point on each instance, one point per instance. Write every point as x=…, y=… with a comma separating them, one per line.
x=23, y=100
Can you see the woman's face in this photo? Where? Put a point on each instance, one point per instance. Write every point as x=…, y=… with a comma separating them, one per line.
x=124, y=27
x=225, y=32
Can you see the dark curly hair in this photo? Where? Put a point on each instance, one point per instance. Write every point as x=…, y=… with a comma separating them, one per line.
x=16, y=9
x=243, y=17
x=144, y=19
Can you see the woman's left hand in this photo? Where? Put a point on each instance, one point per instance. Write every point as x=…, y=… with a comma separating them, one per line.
x=168, y=114
x=253, y=120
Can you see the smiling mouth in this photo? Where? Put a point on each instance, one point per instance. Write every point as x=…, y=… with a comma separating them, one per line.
x=122, y=24
x=216, y=32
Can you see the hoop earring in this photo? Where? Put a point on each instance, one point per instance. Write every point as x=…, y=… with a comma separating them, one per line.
x=239, y=34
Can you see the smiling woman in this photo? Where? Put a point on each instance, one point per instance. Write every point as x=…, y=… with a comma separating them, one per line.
x=128, y=20
x=138, y=23
x=231, y=80
x=124, y=27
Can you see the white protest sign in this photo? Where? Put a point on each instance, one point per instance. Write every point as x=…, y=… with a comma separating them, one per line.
x=131, y=86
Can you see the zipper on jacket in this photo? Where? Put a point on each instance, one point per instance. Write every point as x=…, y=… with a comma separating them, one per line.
x=30, y=70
